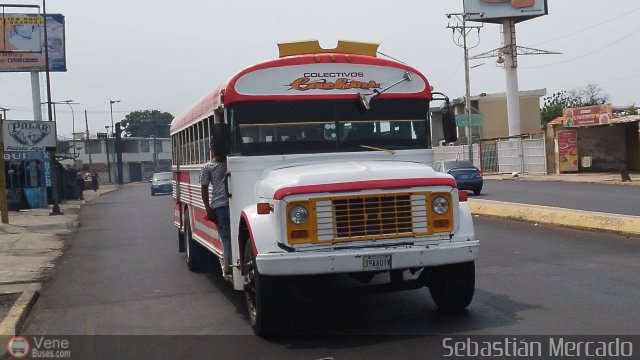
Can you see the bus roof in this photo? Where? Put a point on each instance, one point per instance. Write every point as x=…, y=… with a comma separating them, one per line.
x=305, y=71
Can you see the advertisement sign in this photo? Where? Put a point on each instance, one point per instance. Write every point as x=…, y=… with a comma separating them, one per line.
x=568, y=150
x=22, y=43
x=496, y=10
x=27, y=135
x=587, y=116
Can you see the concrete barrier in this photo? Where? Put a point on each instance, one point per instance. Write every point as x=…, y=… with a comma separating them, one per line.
x=577, y=219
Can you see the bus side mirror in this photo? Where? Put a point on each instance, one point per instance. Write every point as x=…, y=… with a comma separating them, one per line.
x=220, y=137
x=449, y=127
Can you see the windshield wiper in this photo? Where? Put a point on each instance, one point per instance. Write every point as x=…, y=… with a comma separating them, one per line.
x=368, y=147
x=365, y=100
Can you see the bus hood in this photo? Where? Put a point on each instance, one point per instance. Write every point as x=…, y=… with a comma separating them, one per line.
x=347, y=176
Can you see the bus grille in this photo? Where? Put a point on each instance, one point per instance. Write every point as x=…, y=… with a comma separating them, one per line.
x=371, y=217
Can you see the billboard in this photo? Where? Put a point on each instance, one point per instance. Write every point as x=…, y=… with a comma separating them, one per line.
x=28, y=135
x=497, y=10
x=22, y=43
x=587, y=115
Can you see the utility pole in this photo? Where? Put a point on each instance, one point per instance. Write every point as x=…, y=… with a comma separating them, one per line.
x=86, y=138
x=54, y=176
x=462, y=29
x=106, y=144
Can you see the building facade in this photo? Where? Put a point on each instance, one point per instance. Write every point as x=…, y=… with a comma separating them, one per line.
x=141, y=157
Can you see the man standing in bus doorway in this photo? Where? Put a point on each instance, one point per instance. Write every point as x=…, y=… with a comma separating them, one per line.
x=214, y=172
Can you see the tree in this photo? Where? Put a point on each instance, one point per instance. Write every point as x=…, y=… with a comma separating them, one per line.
x=632, y=110
x=147, y=123
x=591, y=94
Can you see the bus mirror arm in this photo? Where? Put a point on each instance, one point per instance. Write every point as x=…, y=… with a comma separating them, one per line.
x=365, y=100
x=449, y=127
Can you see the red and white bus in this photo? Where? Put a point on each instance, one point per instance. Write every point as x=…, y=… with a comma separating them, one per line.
x=329, y=175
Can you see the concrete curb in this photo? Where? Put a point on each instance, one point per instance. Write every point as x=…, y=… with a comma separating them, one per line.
x=577, y=219
x=11, y=324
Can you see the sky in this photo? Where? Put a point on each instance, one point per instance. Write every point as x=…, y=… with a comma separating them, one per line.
x=166, y=55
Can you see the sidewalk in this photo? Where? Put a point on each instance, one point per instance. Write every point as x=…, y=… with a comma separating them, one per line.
x=612, y=178
x=29, y=246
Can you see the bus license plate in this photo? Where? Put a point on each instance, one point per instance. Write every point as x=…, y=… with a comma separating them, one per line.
x=376, y=262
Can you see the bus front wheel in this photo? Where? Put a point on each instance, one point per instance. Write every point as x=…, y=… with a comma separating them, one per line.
x=266, y=297
x=452, y=286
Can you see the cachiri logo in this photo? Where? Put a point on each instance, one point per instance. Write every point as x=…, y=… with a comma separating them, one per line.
x=332, y=81
x=29, y=132
x=18, y=347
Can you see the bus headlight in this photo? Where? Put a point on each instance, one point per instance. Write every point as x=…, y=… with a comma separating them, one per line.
x=440, y=205
x=298, y=215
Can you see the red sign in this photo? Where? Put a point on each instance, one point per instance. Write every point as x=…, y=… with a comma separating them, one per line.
x=568, y=150
x=588, y=115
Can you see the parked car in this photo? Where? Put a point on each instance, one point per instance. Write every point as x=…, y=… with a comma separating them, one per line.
x=161, y=183
x=468, y=177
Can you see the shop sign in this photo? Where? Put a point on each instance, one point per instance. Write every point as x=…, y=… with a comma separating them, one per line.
x=568, y=150
x=587, y=115
x=28, y=135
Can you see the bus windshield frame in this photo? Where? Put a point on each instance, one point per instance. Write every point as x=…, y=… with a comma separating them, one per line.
x=327, y=126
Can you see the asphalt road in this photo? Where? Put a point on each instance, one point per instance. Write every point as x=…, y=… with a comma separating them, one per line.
x=615, y=199
x=122, y=275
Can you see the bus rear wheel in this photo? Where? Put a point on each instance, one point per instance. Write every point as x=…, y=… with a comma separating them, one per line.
x=266, y=297
x=452, y=286
x=194, y=253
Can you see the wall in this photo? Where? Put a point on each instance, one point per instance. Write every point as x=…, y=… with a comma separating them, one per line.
x=496, y=123
x=605, y=144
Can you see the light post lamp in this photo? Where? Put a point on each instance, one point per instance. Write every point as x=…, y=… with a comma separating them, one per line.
x=73, y=123
x=111, y=102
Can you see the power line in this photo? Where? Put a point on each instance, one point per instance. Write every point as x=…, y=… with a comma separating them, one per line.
x=588, y=28
x=587, y=54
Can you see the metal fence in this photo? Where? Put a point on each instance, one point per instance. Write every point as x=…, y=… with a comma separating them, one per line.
x=524, y=154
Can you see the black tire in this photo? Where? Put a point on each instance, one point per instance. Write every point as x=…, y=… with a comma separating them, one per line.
x=153, y=193
x=477, y=192
x=452, y=286
x=194, y=253
x=266, y=297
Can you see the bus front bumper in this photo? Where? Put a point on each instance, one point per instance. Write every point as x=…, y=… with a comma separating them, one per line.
x=360, y=260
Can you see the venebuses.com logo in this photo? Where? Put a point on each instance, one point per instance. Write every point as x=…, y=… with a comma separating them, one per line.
x=18, y=347
x=38, y=347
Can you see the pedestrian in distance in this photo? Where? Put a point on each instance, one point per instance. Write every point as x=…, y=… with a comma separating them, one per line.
x=94, y=179
x=214, y=173
x=80, y=183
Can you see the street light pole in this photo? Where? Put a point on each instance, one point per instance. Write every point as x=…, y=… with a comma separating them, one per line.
x=73, y=123
x=111, y=102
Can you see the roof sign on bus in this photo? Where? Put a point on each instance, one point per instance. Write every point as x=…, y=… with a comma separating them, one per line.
x=324, y=79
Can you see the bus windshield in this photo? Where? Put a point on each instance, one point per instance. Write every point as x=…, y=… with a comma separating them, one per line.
x=320, y=126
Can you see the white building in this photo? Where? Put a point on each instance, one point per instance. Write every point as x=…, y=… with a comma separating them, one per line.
x=141, y=157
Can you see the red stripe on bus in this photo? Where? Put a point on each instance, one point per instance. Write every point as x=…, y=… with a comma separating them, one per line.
x=360, y=185
x=199, y=217
x=183, y=177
